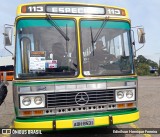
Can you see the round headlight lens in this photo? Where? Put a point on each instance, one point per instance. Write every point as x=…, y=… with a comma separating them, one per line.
x=38, y=100
x=26, y=101
x=129, y=94
x=120, y=94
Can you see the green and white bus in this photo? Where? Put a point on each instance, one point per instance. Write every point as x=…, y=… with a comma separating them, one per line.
x=74, y=66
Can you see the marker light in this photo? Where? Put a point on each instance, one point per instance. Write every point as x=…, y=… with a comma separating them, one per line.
x=123, y=13
x=24, y=9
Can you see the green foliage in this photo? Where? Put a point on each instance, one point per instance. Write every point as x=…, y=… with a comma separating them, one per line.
x=143, y=65
x=142, y=69
x=159, y=70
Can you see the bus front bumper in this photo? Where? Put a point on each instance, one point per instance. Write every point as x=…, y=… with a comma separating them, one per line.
x=68, y=123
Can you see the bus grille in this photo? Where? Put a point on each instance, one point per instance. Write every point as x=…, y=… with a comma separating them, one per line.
x=79, y=98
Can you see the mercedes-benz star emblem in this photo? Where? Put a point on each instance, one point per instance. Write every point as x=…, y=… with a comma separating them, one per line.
x=81, y=98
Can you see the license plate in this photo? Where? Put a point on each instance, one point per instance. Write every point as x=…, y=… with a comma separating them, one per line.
x=83, y=123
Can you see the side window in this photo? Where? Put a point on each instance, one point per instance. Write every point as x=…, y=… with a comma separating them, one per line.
x=118, y=46
x=112, y=47
x=126, y=43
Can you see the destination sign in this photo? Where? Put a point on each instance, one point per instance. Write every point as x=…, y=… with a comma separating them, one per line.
x=115, y=11
x=33, y=9
x=75, y=10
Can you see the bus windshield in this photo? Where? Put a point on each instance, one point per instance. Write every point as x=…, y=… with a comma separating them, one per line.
x=110, y=53
x=42, y=51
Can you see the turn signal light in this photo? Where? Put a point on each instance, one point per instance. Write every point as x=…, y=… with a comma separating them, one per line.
x=121, y=105
x=26, y=113
x=38, y=112
x=129, y=105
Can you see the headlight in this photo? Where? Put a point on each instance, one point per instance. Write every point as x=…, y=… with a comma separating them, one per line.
x=120, y=94
x=38, y=100
x=125, y=95
x=26, y=101
x=32, y=101
x=129, y=94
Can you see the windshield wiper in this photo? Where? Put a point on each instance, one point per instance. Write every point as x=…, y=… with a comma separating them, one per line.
x=93, y=40
x=57, y=27
x=67, y=40
x=100, y=30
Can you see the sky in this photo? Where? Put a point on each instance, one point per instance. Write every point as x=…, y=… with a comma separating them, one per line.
x=141, y=12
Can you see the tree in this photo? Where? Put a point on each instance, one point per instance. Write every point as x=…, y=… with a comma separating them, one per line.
x=143, y=65
x=143, y=69
x=159, y=71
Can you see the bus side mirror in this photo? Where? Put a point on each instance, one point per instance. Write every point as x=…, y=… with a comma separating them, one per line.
x=141, y=35
x=8, y=32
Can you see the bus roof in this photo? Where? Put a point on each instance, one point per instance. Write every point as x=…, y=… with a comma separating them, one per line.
x=66, y=8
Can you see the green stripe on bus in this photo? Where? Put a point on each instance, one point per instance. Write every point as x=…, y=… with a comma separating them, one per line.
x=29, y=83
x=43, y=23
x=109, y=24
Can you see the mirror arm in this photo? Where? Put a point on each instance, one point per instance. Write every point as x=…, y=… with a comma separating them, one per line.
x=133, y=43
x=8, y=25
x=8, y=50
x=140, y=47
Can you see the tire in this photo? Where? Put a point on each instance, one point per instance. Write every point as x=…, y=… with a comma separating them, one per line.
x=3, y=93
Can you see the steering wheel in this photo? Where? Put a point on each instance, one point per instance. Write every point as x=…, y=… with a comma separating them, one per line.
x=109, y=59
